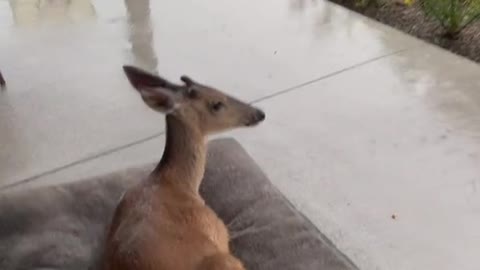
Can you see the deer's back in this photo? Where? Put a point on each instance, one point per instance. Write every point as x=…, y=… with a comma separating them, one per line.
x=160, y=228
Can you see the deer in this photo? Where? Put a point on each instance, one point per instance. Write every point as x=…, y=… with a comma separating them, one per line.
x=162, y=222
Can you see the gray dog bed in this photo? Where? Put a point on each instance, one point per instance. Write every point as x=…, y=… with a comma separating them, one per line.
x=62, y=227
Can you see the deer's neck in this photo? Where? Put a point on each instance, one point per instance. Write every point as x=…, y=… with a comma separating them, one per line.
x=184, y=157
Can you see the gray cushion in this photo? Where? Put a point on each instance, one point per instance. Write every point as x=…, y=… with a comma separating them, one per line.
x=62, y=227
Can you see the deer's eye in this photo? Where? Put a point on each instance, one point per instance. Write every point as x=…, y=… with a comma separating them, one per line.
x=216, y=106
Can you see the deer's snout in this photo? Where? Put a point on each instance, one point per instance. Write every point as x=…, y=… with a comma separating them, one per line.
x=260, y=115
x=257, y=117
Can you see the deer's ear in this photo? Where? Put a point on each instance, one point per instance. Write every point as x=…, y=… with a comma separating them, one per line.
x=141, y=79
x=187, y=80
x=157, y=93
x=159, y=99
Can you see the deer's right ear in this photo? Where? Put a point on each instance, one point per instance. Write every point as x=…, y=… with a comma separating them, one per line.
x=157, y=93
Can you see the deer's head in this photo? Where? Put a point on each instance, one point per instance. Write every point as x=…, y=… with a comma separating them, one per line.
x=207, y=108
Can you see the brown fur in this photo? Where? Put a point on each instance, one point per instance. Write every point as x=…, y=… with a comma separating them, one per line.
x=163, y=223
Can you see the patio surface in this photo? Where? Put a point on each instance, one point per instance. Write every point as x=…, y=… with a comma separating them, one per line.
x=374, y=135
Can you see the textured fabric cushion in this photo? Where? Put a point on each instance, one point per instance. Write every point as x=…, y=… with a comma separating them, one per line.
x=62, y=227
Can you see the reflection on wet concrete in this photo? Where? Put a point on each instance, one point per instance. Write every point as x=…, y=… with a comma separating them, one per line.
x=324, y=13
x=447, y=96
x=455, y=102
x=140, y=34
x=301, y=5
x=35, y=12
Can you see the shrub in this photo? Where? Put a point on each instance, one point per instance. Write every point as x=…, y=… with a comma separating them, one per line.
x=453, y=15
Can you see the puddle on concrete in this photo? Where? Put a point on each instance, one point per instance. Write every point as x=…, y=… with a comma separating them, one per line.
x=32, y=13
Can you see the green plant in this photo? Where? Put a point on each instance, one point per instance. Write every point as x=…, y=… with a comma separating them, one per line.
x=453, y=15
x=408, y=3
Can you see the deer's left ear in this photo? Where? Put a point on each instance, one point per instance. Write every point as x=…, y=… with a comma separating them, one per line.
x=156, y=92
x=159, y=99
x=142, y=79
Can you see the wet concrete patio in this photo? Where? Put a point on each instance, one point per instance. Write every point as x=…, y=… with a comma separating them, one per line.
x=372, y=134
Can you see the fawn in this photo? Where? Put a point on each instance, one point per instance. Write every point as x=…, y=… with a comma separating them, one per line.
x=163, y=223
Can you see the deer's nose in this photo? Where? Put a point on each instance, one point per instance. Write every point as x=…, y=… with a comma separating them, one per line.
x=260, y=115
x=255, y=118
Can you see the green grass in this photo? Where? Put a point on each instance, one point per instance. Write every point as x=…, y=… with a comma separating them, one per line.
x=453, y=15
